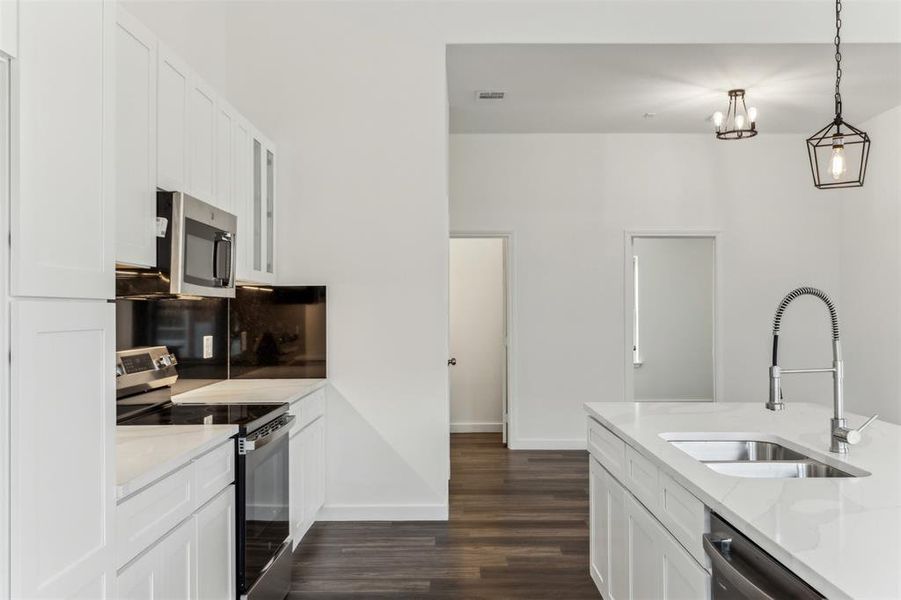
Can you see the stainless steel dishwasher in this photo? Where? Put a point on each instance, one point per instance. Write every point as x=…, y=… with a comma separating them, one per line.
x=743, y=571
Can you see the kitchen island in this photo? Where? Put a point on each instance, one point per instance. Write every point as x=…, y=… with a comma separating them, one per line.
x=841, y=535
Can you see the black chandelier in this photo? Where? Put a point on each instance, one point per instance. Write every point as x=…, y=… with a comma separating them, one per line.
x=739, y=122
x=839, y=151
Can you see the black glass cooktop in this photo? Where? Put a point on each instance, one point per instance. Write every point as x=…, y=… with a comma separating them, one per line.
x=247, y=416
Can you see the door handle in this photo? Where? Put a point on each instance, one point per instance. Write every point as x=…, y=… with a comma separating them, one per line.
x=452, y=362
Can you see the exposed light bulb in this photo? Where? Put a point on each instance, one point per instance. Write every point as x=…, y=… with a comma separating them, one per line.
x=739, y=121
x=718, y=119
x=837, y=165
x=752, y=114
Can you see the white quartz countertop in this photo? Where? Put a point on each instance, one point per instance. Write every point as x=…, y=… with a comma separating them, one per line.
x=145, y=453
x=841, y=535
x=251, y=391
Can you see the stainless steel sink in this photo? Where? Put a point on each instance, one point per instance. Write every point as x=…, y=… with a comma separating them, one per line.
x=756, y=458
x=777, y=469
x=736, y=450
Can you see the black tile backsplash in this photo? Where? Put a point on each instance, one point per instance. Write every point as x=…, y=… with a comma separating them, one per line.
x=278, y=332
x=266, y=332
x=180, y=325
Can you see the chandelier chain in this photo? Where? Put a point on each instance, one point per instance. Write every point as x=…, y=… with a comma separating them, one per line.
x=838, y=59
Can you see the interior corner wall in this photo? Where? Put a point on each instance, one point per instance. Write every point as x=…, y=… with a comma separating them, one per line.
x=870, y=302
x=569, y=199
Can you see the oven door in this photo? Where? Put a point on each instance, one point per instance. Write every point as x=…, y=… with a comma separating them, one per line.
x=203, y=248
x=264, y=528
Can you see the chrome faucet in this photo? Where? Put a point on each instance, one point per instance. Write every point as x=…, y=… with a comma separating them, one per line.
x=842, y=436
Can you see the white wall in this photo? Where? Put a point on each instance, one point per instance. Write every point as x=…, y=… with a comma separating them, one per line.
x=354, y=94
x=477, y=334
x=870, y=302
x=675, y=303
x=568, y=199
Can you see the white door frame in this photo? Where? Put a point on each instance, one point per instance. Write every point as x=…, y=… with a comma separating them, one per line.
x=629, y=300
x=508, y=426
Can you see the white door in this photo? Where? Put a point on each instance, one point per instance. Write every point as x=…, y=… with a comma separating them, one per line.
x=646, y=538
x=138, y=581
x=172, y=121
x=201, y=141
x=136, y=70
x=215, y=543
x=478, y=353
x=225, y=126
x=62, y=218
x=176, y=579
x=296, y=450
x=243, y=195
x=314, y=469
x=683, y=577
x=62, y=450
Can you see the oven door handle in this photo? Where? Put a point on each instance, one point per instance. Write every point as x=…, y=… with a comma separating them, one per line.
x=723, y=566
x=248, y=445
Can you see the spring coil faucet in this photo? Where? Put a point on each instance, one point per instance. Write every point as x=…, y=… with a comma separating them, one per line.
x=841, y=436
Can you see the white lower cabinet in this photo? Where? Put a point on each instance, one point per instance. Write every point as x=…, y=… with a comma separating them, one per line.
x=62, y=440
x=165, y=572
x=214, y=530
x=176, y=537
x=632, y=555
x=307, y=478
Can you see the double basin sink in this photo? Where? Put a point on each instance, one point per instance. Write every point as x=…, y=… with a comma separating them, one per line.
x=754, y=458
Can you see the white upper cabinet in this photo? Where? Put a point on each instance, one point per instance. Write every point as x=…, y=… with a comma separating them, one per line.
x=62, y=220
x=202, y=121
x=172, y=121
x=63, y=479
x=225, y=130
x=9, y=27
x=136, y=114
x=242, y=153
x=260, y=213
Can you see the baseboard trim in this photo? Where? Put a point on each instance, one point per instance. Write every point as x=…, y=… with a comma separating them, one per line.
x=547, y=444
x=383, y=512
x=476, y=427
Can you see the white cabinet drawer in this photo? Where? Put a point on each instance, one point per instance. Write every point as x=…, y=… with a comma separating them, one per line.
x=308, y=409
x=213, y=471
x=641, y=478
x=148, y=515
x=608, y=449
x=684, y=516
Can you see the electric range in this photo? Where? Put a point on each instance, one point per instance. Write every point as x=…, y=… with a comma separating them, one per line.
x=144, y=379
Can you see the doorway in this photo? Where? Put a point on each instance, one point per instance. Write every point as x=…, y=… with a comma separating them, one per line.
x=478, y=329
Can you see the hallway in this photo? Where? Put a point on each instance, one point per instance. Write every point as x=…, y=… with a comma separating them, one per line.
x=518, y=529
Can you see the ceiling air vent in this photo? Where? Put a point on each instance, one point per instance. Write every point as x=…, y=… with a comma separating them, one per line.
x=489, y=95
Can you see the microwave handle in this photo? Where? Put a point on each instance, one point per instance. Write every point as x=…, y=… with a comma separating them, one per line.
x=221, y=240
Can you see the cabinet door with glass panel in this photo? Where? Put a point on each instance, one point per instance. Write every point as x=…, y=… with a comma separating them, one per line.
x=256, y=224
x=259, y=227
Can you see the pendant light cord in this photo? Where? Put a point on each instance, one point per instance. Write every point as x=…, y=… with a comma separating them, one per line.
x=838, y=60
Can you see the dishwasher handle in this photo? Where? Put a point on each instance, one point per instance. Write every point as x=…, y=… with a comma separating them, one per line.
x=717, y=548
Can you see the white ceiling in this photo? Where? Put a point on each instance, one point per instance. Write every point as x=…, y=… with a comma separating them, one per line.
x=609, y=88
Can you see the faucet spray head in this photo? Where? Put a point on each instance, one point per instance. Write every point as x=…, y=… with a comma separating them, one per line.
x=775, y=402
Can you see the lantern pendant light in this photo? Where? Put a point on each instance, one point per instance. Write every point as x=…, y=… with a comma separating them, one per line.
x=839, y=151
x=739, y=122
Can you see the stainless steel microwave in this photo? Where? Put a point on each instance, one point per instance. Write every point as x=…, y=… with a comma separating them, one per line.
x=195, y=252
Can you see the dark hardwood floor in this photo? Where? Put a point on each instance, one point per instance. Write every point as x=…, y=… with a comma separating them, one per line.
x=518, y=528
